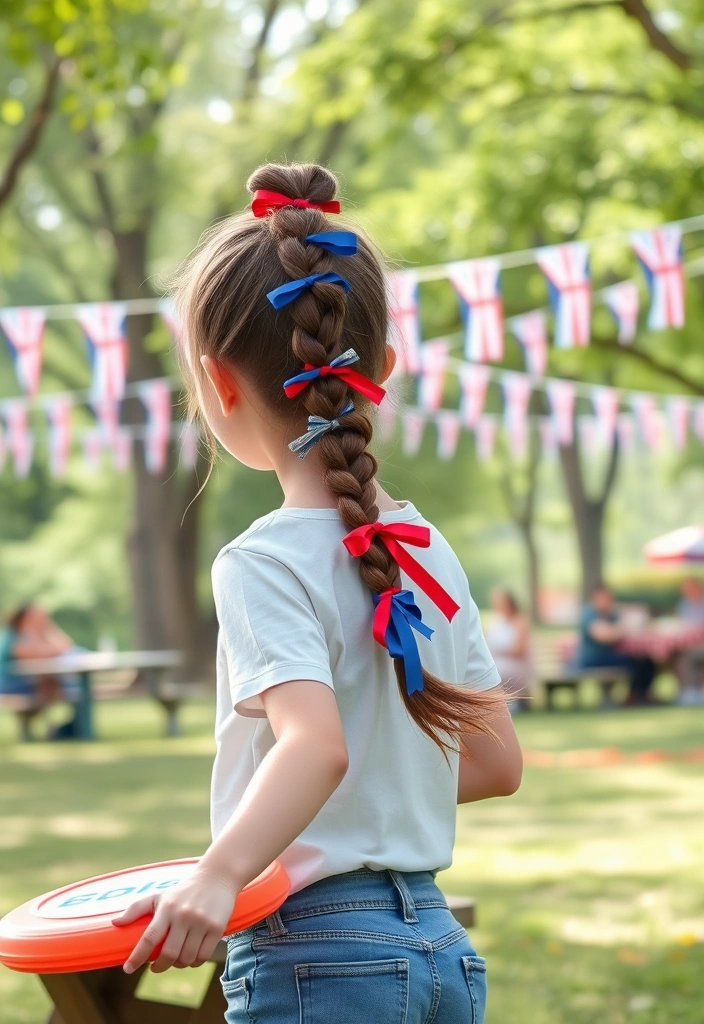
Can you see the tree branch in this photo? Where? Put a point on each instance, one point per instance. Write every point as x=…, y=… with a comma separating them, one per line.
x=29, y=141
x=55, y=256
x=255, y=68
x=658, y=40
x=77, y=211
x=639, y=354
x=99, y=180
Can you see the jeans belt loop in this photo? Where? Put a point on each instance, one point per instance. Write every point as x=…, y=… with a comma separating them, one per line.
x=407, y=903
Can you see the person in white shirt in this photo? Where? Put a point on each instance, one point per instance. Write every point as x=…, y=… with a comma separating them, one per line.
x=357, y=701
x=509, y=639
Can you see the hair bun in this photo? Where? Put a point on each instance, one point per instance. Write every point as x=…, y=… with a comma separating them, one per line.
x=298, y=181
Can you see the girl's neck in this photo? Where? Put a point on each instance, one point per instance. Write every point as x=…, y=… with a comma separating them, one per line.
x=304, y=487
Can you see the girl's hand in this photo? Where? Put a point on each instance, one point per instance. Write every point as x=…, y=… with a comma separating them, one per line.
x=190, y=919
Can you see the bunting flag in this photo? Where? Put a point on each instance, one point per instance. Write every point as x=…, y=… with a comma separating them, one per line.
x=20, y=441
x=531, y=329
x=517, y=390
x=104, y=326
x=188, y=445
x=121, y=448
x=660, y=254
x=386, y=418
x=58, y=413
x=92, y=443
x=698, y=421
x=477, y=284
x=485, y=437
x=448, y=425
x=606, y=405
x=548, y=437
x=107, y=413
x=433, y=364
x=589, y=434
x=413, y=424
x=474, y=381
x=678, y=409
x=562, y=395
x=648, y=418
x=24, y=330
x=623, y=302
x=566, y=268
x=156, y=397
x=404, y=324
x=626, y=431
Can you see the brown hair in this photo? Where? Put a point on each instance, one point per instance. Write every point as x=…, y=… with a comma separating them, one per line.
x=221, y=294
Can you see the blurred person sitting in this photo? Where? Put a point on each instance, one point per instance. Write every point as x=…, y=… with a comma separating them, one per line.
x=690, y=664
x=32, y=633
x=601, y=629
x=508, y=638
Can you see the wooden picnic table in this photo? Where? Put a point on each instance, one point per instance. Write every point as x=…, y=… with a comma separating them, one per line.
x=85, y=663
x=108, y=996
x=660, y=640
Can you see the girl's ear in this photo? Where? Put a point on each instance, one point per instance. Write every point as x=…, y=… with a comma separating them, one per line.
x=389, y=363
x=223, y=382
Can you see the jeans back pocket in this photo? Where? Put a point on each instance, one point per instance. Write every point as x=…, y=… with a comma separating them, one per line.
x=354, y=992
x=475, y=973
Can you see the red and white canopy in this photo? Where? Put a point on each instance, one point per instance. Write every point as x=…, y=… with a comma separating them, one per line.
x=683, y=545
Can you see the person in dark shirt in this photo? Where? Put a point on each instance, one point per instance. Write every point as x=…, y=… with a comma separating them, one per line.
x=600, y=631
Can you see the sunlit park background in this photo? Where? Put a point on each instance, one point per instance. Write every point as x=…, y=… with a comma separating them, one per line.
x=458, y=131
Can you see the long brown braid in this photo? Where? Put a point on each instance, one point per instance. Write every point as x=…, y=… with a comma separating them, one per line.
x=222, y=300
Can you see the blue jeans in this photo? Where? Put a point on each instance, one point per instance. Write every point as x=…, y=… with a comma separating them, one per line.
x=367, y=947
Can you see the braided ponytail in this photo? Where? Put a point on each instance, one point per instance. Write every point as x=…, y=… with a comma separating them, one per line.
x=223, y=303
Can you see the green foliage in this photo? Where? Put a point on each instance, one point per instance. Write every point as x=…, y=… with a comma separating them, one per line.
x=457, y=130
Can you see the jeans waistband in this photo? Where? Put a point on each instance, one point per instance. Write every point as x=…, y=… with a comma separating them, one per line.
x=405, y=892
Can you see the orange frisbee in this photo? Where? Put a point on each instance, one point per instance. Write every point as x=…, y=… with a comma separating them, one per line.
x=71, y=929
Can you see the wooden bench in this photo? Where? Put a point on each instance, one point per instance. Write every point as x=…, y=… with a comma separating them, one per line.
x=555, y=674
x=109, y=996
x=169, y=695
x=24, y=707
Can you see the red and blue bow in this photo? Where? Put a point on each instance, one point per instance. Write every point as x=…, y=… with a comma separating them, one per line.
x=286, y=293
x=265, y=203
x=394, y=535
x=338, y=367
x=396, y=615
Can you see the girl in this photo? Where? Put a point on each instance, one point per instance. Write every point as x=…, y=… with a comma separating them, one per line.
x=336, y=751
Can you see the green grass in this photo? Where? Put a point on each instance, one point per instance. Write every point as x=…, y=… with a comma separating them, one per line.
x=589, y=882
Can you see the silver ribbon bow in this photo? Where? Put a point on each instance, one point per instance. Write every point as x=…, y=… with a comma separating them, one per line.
x=318, y=426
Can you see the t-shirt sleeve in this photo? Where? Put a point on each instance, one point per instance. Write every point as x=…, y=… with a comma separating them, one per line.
x=480, y=671
x=268, y=627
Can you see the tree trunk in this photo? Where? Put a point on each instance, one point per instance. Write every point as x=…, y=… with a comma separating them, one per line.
x=533, y=570
x=588, y=513
x=162, y=553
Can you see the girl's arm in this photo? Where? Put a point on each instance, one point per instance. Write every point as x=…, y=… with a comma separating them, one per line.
x=490, y=767
x=293, y=782
x=295, y=779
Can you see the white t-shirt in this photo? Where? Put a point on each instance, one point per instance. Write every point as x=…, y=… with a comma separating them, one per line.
x=291, y=605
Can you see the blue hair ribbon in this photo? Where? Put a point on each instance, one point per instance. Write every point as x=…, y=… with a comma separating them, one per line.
x=293, y=289
x=339, y=243
x=395, y=617
x=318, y=427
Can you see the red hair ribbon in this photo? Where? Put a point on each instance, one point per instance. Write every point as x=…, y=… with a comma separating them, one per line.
x=339, y=367
x=393, y=535
x=265, y=202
